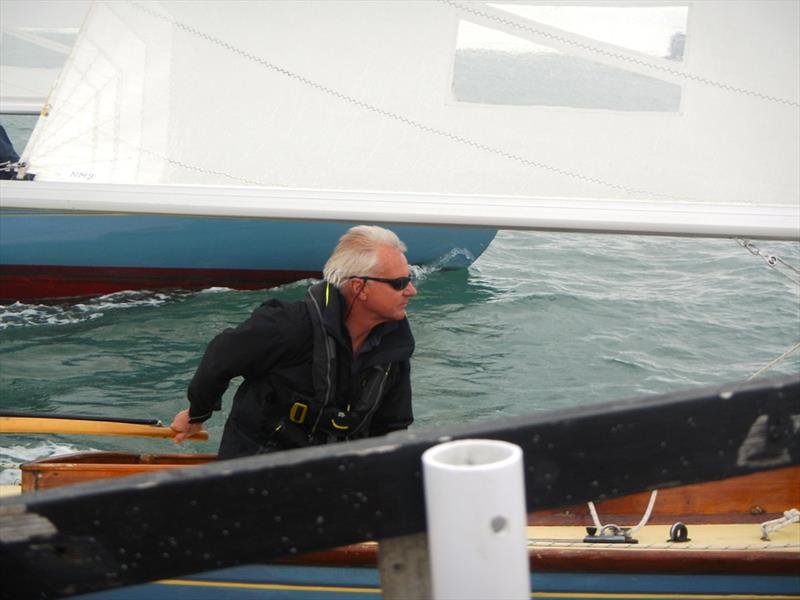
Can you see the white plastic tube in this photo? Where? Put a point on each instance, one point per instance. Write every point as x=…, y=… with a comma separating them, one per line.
x=475, y=500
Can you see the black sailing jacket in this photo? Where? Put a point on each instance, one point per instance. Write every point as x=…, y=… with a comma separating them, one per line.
x=278, y=405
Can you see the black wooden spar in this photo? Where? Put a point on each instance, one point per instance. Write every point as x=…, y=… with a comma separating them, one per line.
x=106, y=534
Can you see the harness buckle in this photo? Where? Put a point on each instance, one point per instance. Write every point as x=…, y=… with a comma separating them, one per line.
x=298, y=412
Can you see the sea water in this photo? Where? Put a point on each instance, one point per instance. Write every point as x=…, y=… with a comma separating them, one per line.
x=539, y=322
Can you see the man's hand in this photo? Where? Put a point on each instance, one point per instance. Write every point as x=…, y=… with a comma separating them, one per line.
x=182, y=428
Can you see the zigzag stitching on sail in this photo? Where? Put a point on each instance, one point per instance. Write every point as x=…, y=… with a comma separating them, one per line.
x=401, y=118
x=623, y=57
x=189, y=167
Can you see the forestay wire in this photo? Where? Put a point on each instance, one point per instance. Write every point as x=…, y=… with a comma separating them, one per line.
x=778, y=360
x=780, y=266
x=774, y=262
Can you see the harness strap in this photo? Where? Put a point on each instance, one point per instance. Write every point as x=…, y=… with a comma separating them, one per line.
x=323, y=369
x=300, y=420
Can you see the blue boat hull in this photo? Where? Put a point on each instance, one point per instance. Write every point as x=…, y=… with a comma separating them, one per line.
x=50, y=254
x=266, y=582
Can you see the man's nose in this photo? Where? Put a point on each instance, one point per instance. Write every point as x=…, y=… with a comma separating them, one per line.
x=410, y=290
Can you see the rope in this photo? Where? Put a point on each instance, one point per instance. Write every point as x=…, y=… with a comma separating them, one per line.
x=790, y=516
x=780, y=359
x=631, y=531
x=615, y=55
x=647, y=513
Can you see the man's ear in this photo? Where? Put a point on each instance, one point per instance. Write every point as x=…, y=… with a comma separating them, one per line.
x=357, y=289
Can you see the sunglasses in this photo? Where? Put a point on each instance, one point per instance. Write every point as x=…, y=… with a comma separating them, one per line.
x=398, y=283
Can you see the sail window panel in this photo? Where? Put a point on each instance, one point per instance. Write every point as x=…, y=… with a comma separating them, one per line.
x=658, y=31
x=494, y=67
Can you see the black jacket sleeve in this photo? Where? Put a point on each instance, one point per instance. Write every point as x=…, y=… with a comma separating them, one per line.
x=248, y=350
x=395, y=411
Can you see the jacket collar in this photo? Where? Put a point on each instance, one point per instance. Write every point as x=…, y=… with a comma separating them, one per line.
x=334, y=309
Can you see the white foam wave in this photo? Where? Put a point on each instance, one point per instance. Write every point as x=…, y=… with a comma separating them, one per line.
x=457, y=257
x=11, y=457
x=300, y=283
x=289, y=286
x=20, y=314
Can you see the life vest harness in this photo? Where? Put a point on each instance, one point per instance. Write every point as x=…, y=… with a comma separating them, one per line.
x=303, y=420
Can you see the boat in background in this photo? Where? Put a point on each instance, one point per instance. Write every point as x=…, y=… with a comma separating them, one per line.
x=60, y=254
x=47, y=255
x=174, y=128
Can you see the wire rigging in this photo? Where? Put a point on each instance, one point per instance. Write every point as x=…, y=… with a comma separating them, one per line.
x=779, y=265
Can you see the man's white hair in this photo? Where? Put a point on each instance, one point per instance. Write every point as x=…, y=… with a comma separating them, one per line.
x=357, y=253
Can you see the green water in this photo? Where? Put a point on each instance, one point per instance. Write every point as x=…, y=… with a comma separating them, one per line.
x=539, y=322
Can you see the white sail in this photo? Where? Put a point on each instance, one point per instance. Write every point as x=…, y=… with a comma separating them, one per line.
x=379, y=97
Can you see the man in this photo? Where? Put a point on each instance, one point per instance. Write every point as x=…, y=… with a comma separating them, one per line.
x=332, y=367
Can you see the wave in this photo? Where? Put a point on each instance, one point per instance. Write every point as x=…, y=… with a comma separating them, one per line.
x=11, y=457
x=20, y=314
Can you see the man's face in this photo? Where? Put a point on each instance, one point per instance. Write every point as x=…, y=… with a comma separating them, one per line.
x=385, y=302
